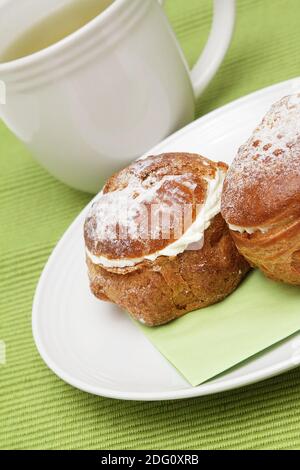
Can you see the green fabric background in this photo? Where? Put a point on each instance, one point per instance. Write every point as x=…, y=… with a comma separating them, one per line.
x=39, y=411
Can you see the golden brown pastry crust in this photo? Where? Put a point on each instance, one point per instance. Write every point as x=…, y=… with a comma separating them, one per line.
x=262, y=192
x=276, y=253
x=160, y=291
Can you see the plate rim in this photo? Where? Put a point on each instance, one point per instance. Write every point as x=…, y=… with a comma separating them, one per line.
x=200, y=390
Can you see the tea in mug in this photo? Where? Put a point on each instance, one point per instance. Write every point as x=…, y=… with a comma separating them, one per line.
x=55, y=27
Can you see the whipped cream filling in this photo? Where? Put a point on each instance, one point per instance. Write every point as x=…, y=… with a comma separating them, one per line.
x=193, y=235
x=249, y=230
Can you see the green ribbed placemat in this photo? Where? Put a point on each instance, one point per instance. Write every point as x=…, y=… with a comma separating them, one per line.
x=39, y=411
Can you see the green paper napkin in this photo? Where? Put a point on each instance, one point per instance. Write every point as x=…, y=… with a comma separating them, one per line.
x=209, y=341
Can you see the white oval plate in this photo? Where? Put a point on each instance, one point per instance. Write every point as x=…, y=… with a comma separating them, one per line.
x=93, y=345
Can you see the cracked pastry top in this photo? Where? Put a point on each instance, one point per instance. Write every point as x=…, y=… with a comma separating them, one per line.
x=262, y=186
x=155, y=207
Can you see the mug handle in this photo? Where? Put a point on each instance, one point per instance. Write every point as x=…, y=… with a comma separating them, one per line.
x=216, y=46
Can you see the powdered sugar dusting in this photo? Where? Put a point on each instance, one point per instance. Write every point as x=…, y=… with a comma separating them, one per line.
x=149, y=205
x=191, y=239
x=125, y=209
x=270, y=155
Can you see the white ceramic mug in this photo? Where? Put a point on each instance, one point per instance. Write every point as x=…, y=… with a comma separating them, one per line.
x=104, y=95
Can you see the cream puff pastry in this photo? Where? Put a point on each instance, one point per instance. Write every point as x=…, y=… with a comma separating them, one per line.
x=156, y=243
x=261, y=197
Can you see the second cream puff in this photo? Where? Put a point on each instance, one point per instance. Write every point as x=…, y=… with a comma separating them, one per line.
x=261, y=199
